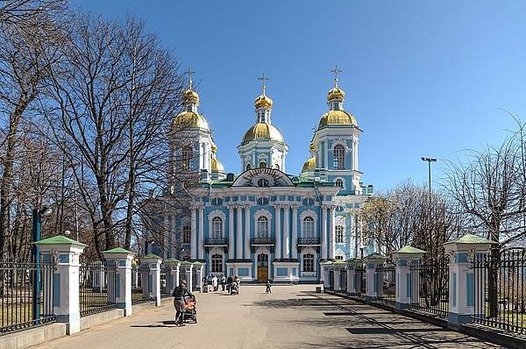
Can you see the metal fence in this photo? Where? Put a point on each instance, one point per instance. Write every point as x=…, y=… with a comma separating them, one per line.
x=498, y=282
x=97, y=288
x=432, y=282
x=22, y=306
x=140, y=286
x=360, y=280
x=388, y=272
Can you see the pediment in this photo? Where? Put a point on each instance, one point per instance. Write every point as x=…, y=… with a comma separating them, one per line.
x=263, y=177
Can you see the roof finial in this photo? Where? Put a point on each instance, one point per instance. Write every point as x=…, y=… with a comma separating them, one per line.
x=336, y=71
x=189, y=73
x=263, y=78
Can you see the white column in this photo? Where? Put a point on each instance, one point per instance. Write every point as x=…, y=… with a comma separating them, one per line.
x=294, y=232
x=326, y=154
x=323, y=232
x=247, y=232
x=286, y=232
x=332, y=226
x=123, y=276
x=201, y=242
x=201, y=158
x=239, y=234
x=277, y=214
x=230, y=232
x=193, y=235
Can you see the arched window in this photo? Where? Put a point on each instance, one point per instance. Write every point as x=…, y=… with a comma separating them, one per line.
x=308, y=263
x=339, y=234
x=262, y=164
x=186, y=157
x=187, y=231
x=276, y=166
x=217, y=263
x=339, y=183
x=308, y=227
x=248, y=167
x=262, y=228
x=217, y=227
x=339, y=157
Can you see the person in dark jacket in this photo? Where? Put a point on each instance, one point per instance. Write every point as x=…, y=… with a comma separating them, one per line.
x=179, y=294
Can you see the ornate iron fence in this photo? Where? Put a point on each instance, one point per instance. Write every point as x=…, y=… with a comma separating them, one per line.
x=432, y=280
x=98, y=287
x=21, y=306
x=499, y=289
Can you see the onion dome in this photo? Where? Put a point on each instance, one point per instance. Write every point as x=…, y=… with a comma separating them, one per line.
x=262, y=131
x=309, y=165
x=190, y=96
x=335, y=93
x=190, y=119
x=337, y=117
x=216, y=165
x=263, y=101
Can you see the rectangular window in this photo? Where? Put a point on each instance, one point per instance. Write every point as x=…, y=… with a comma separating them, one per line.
x=339, y=257
x=308, y=263
x=187, y=231
x=217, y=263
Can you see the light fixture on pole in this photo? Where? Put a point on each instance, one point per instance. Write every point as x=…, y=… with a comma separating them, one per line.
x=429, y=161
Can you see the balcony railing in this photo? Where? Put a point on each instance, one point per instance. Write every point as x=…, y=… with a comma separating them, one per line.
x=309, y=241
x=262, y=240
x=216, y=242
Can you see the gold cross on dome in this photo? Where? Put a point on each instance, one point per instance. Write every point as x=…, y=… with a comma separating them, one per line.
x=263, y=78
x=189, y=73
x=336, y=71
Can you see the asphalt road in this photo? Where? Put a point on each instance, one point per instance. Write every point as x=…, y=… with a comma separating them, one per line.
x=290, y=317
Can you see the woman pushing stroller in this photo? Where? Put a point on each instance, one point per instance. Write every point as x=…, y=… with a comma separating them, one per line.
x=179, y=294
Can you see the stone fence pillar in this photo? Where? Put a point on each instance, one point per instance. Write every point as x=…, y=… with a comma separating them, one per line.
x=324, y=273
x=198, y=268
x=122, y=284
x=65, y=288
x=151, y=277
x=462, y=277
x=187, y=274
x=353, y=286
x=375, y=279
x=406, y=279
x=171, y=267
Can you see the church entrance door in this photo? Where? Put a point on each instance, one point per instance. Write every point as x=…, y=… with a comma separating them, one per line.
x=262, y=267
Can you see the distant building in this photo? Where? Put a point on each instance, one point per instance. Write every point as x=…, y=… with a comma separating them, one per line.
x=265, y=223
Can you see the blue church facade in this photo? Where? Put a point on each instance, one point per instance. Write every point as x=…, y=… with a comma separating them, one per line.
x=265, y=223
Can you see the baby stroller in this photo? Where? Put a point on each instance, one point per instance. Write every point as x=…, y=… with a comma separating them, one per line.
x=234, y=288
x=190, y=311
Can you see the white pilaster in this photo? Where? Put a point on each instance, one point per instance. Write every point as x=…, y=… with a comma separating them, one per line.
x=193, y=234
x=323, y=232
x=201, y=242
x=332, y=227
x=247, y=232
x=286, y=232
x=295, y=232
x=277, y=210
x=239, y=234
x=230, y=232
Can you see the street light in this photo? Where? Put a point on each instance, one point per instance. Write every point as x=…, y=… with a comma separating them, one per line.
x=37, y=216
x=429, y=161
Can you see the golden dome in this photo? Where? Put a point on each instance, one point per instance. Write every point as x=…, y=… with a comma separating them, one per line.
x=262, y=132
x=335, y=93
x=189, y=119
x=217, y=166
x=309, y=165
x=337, y=117
x=190, y=96
x=263, y=101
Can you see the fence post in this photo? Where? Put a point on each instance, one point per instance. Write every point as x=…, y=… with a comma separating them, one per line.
x=406, y=280
x=351, y=272
x=65, y=281
x=198, y=267
x=462, y=278
x=374, y=288
x=187, y=275
x=123, y=277
x=324, y=269
x=172, y=270
x=151, y=264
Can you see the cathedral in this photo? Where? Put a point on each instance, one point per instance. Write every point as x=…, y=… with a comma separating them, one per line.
x=262, y=222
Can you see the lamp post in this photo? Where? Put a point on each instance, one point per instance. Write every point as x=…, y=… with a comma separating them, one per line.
x=429, y=161
x=37, y=216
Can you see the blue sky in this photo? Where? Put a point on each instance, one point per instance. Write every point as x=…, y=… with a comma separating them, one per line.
x=422, y=78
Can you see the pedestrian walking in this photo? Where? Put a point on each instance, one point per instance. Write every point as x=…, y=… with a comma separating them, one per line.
x=179, y=293
x=223, y=282
x=268, y=286
x=214, y=283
